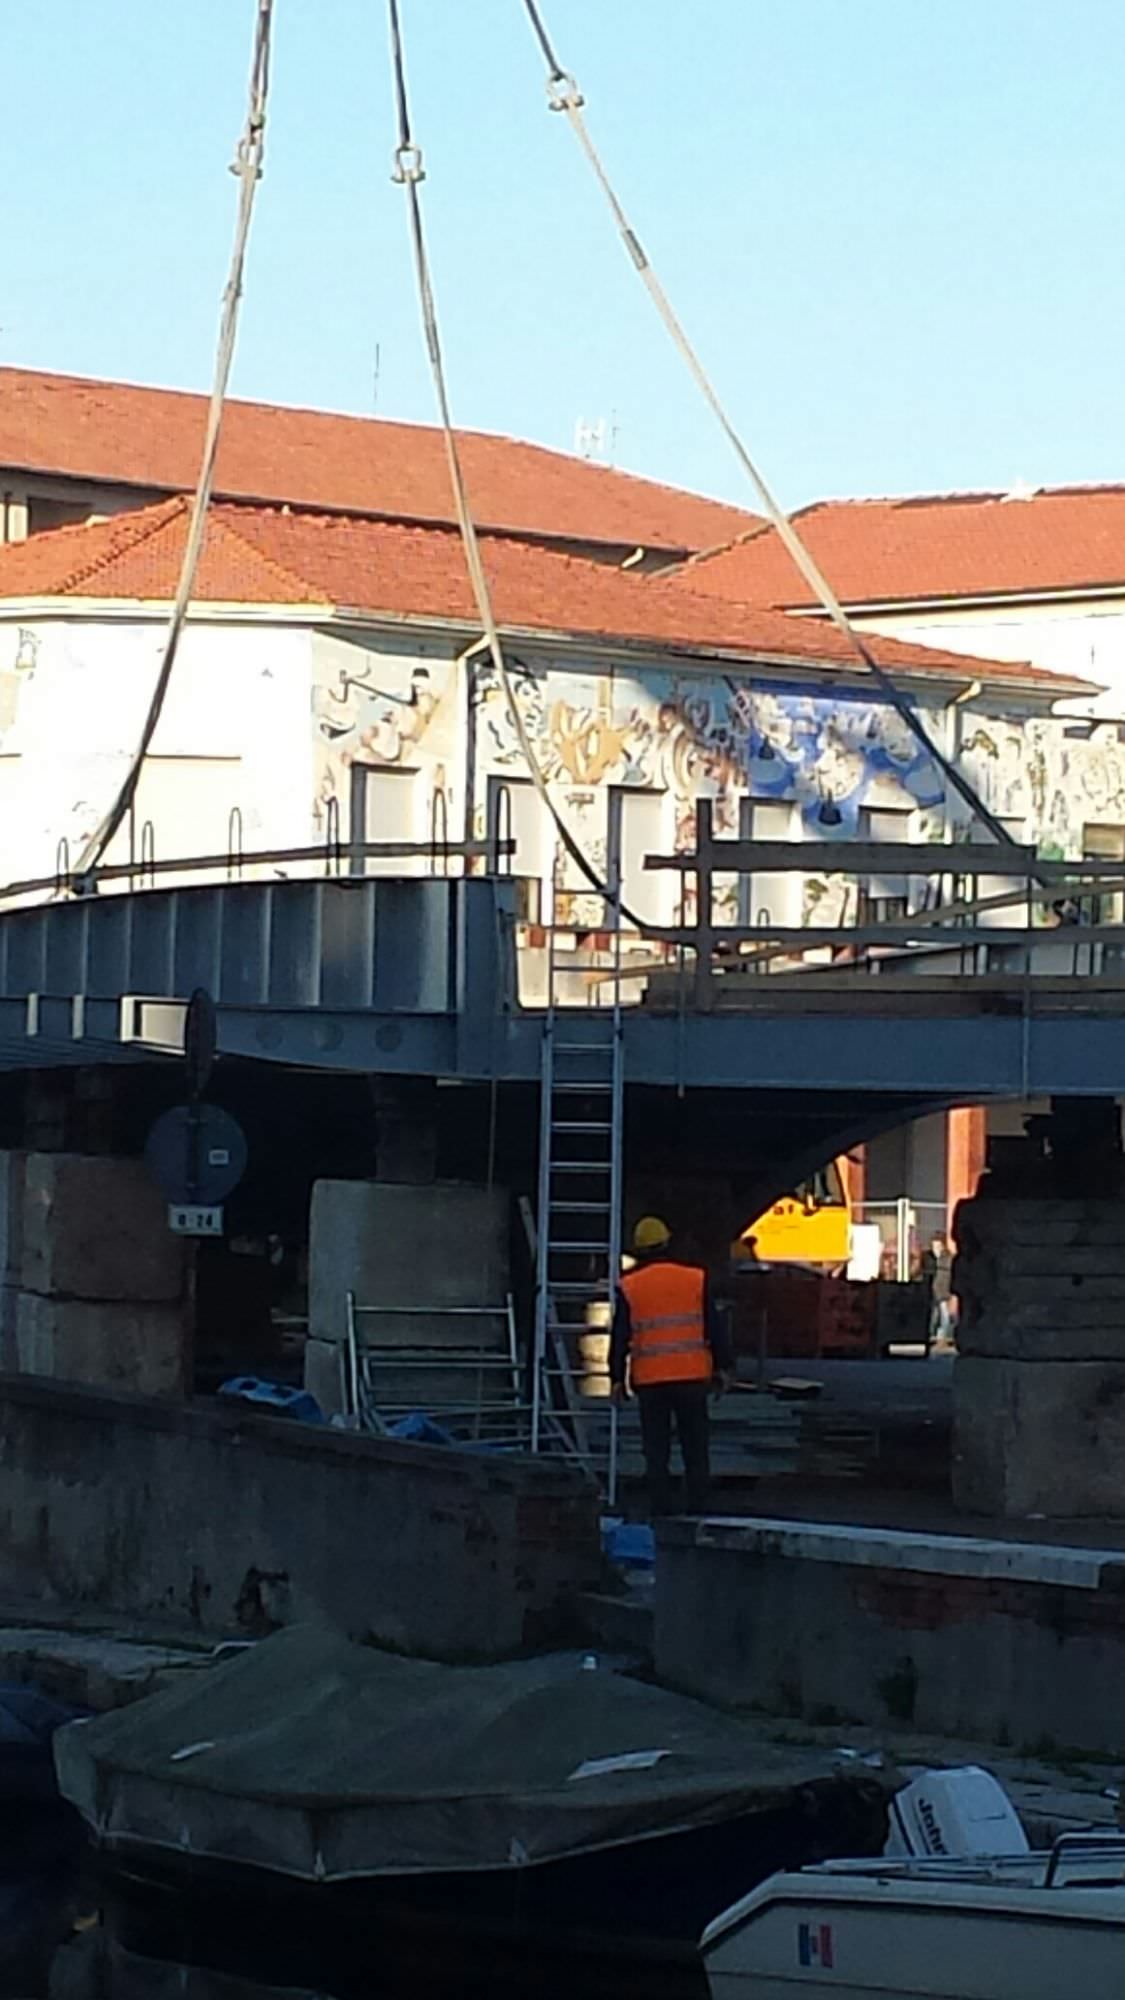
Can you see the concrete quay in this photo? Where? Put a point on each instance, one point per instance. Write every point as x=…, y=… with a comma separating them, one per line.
x=1010, y=1642
x=219, y=1520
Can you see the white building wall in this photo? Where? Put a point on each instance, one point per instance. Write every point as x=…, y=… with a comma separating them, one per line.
x=275, y=720
x=234, y=733
x=1086, y=638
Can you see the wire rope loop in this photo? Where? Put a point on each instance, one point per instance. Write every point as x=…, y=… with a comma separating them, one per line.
x=408, y=164
x=563, y=93
x=62, y=865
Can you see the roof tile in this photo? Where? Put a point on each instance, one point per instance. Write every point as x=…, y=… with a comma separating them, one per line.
x=958, y=545
x=119, y=433
x=264, y=555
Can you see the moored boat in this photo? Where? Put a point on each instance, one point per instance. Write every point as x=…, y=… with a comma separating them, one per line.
x=321, y=1770
x=957, y=1908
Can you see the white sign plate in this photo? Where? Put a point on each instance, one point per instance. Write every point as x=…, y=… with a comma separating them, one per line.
x=192, y=1219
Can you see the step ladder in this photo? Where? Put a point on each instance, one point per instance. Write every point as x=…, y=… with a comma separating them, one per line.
x=578, y=1226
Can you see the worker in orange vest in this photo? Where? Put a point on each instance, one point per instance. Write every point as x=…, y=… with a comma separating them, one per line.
x=677, y=1353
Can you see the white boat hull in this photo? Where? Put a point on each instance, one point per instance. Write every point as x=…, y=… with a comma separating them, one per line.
x=918, y=1941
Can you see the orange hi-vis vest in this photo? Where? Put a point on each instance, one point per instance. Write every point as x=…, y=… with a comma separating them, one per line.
x=668, y=1336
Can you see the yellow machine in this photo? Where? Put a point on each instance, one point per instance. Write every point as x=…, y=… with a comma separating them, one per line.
x=810, y=1226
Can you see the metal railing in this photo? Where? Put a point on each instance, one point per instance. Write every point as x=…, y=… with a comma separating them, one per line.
x=325, y=858
x=472, y=1390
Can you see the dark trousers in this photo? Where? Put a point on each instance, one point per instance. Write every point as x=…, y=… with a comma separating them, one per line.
x=686, y=1402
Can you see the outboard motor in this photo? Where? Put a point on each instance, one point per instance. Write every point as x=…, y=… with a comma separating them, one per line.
x=954, y=1814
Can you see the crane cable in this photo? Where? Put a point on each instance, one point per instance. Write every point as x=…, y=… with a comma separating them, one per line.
x=565, y=96
x=409, y=172
x=247, y=166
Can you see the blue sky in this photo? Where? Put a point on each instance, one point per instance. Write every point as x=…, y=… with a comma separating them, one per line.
x=894, y=227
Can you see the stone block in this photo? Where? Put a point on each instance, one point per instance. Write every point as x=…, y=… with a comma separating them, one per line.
x=418, y=1247
x=1039, y=1223
x=97, y=1228
x=113, y=1344
x=1055, y=1340
x=1039, y=1437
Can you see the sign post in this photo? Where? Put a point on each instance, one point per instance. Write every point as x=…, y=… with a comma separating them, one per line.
x=197, y=1152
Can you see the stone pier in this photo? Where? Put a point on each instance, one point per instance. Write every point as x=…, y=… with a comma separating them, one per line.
x=1039, y=1383
x=94, y=1285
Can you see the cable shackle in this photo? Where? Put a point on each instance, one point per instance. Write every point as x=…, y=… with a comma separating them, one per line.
x=563, y=93
x=408, y=164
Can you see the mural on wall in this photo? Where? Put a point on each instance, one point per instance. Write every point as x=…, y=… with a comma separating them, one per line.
x=1049, y=778
x=17, y=673
x=381, y=709
x=830, y=756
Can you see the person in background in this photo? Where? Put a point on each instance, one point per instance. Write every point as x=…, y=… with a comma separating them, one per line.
x=937, y=1266
x=676, y=1351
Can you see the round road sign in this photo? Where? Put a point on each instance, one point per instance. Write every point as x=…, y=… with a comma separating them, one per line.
x=196, y=1153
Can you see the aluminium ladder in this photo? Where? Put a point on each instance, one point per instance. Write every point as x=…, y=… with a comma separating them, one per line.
x=578, y=1230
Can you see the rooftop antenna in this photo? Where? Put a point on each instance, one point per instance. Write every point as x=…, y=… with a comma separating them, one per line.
x=375, y=377
x=590, y=438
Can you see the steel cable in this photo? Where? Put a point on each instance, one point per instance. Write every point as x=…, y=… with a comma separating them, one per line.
x=409, y=171
x=566, y=97
x=247, y=165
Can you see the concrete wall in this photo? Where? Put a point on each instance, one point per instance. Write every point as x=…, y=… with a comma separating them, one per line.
x=95, y=1287
x=231, y=1521
x=1001, y=1641
x=1039, y=1384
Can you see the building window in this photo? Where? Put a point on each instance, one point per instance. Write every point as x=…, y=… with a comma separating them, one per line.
x=516, y=812
x=1104, y=843
x=769, y=897
x=44, y=513
x=637, y=827
x=982, y=887
x=884, y=899
x=384, y=806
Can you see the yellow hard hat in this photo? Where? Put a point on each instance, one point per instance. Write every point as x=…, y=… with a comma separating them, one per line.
x=651, y=1233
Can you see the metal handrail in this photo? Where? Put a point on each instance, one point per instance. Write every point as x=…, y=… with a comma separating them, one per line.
x=216, y=864
x=148, y=854
x=439, y=842
x=1092, y=1846
x=333, y=852
x=234, y=843
x=500, y=814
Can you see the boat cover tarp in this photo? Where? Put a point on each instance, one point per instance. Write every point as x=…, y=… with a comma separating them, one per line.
x=325, y=1759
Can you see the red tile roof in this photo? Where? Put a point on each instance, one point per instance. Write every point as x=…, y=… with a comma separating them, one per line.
x=378, y=569
x=119, y=434
x=945, y=546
